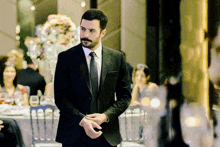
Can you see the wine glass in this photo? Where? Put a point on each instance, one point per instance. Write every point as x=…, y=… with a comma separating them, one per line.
x=46, y=101
x=34, y=100
x=2, y=98
x=19, y=99
x=42, y=100
x=8, y=99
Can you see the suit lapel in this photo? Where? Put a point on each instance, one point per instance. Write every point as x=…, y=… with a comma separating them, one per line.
x=84, y=68
x=106, y=57
x=105, y=64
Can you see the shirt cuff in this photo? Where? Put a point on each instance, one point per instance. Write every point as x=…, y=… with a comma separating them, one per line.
x=107, y=120
x=80, y=123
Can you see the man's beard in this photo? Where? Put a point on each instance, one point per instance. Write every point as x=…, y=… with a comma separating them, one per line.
x=93, y=43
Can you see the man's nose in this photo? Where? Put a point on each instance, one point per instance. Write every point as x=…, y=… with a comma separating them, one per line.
x=86, y=34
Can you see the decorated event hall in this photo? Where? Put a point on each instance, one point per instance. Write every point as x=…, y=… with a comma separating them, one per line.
x=162, y=91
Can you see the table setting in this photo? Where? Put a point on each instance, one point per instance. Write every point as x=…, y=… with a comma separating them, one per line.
x=7, y=110
x=12, y=106
x=21, y=114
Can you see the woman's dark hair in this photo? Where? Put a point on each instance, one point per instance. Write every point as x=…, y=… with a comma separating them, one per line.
x=143, y=67
x=11, y=133
x=3, y=60
x=96, y=14
x=3, y=64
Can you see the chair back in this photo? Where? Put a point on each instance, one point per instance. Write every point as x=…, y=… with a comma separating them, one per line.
x=131, y=126
x=42, y=123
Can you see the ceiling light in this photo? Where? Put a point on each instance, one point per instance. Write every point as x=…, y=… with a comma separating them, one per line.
x=83, y=4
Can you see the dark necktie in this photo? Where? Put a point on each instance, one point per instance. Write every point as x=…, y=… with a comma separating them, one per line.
x=94, y=80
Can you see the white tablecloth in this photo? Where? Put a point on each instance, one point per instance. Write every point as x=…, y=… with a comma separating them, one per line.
x=25, y=125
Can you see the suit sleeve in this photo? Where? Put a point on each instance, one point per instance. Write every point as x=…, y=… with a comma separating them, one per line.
x=123, y=92
x=62, y=89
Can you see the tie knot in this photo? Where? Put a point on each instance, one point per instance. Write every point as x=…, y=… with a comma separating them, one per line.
x=92, y=54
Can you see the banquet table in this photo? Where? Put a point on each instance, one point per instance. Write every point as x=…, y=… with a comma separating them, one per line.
x=130, y=124
x=22, y=116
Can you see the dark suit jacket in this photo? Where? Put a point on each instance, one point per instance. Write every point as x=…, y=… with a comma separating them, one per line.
x=31, y=78
x=73, y=93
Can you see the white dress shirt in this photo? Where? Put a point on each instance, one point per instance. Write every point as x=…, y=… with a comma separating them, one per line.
x=98, y=59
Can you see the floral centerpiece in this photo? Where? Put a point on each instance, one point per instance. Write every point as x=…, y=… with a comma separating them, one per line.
x=57, y=34
x=35, y=47
x=59, y=28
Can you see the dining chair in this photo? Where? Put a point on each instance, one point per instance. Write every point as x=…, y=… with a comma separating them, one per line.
x=42, y=125
x=131, y=127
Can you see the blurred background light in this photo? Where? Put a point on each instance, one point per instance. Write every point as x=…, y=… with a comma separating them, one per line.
x=32, y=8
x=83, y=4
x=155, y=102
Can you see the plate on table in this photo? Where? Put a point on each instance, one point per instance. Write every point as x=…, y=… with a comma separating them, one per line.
x=3, y=107
x=13, y=113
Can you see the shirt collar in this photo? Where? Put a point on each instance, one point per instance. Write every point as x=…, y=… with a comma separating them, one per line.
x=98, y=51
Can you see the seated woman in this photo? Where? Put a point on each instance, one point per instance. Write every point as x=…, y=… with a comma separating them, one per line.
x=142, y=94
x=10, y=134
x=8, y=82
x=143, y=88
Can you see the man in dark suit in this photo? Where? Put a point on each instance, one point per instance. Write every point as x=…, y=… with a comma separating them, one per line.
x=85, y=87
x=30, y=77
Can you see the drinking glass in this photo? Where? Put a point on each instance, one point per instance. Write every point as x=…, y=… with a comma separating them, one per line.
x=46, y=101
x=2, y=98
x=34, y=100
x=8, y=99
x=42, y=100
x=19, y=100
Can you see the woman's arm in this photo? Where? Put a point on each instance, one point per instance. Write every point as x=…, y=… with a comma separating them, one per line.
x=24, y=94
x=49, y=90
x=134, y=95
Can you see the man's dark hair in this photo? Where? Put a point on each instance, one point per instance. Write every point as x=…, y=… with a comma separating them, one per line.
x=213, y=32
x=98, y=15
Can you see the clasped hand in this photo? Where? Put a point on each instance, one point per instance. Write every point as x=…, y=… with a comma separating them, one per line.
x=92, y=121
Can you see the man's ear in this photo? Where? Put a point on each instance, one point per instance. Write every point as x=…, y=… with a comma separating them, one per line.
x=103, y=33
